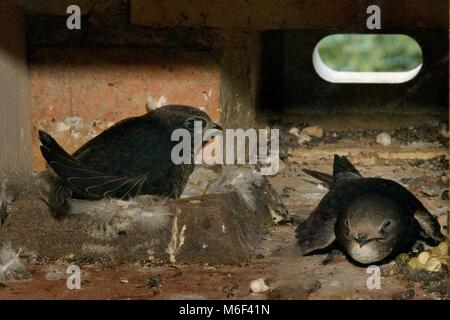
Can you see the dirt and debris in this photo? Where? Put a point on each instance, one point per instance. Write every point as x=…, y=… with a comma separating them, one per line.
x=153, y=282
x=424, y=265
x=413, y=269
x=230, y=289
x=423, y=135
x=425, y=186
x=285, y=274
x=404, y=295
x=438, y=163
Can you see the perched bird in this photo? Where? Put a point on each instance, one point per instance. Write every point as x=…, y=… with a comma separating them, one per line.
x=370, y=219
x=131, y=158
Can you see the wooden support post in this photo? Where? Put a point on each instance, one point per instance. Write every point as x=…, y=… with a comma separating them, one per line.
x=15, y=123
x=240, y=78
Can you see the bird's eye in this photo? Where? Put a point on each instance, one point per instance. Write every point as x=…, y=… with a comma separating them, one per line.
x=387, y=226
x=190, y=123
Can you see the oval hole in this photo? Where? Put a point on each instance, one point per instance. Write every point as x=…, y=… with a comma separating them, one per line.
x=367, y=58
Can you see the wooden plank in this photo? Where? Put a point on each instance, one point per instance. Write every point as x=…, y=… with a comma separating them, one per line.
x=53, y=7
x=285, y=14
x=239, y=77
x=15, y=124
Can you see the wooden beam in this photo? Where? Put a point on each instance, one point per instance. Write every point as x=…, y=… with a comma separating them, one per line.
x=15, y=123
x=287, y=14
x=239, y=78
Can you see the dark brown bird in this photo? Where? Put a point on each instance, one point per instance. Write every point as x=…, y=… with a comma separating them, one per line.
x=371, y=219
x=131, y=158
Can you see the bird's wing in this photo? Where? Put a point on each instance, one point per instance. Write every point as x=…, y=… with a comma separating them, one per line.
x=429, y=225
x=105, y=136
x=85, y=180
x=132, y=147
x=317, y=232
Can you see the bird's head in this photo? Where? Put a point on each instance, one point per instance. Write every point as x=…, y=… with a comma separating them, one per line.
x=369, y=229
x=193, y=120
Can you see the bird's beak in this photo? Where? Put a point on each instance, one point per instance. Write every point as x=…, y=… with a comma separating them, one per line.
x=362, y=240
x=211, y=138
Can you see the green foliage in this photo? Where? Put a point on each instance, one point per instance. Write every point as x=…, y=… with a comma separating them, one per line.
x=355, y=52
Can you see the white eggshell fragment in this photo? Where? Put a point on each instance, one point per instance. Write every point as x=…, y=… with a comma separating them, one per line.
x=259, y=286
x=384, y=139
x=423, y=257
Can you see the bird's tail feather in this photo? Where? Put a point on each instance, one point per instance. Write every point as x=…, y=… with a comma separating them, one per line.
x=62, y=163
x=342, y=165
x=324, y=177
x=343, y=170
x=85, y=180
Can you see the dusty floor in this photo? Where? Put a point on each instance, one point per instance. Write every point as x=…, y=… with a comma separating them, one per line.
x=416, y=158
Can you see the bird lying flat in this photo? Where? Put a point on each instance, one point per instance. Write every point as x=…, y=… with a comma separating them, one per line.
x=370, y=219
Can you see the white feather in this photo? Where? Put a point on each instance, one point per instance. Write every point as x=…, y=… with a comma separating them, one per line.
x=147, y=211
x=11, y=266
x=18, y=183
x=241, y=179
